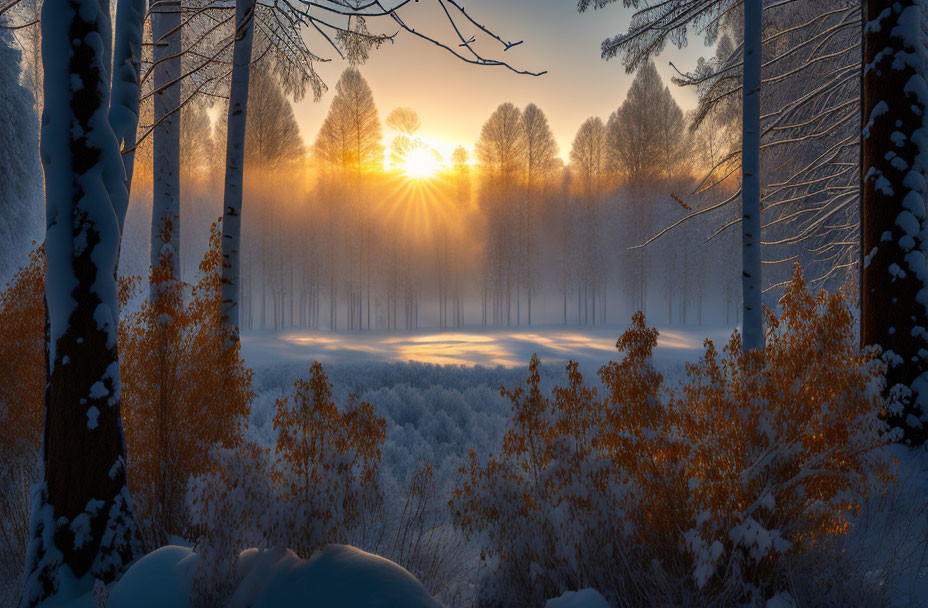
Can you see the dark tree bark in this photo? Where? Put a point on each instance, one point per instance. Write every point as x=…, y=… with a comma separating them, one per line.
x=82, y=523
x=893, y=270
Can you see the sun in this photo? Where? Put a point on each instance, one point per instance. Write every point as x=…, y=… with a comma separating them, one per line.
x=421, y=163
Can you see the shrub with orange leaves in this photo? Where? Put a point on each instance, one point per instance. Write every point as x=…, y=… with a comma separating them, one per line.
x=708, y=492
x=551, y=506
x=22, y=355
x=185, y=390
x=316, y=487
x=22, y=370
x=327, y=460
x=781, y=444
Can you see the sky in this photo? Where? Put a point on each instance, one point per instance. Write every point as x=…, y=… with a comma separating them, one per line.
x=454, y=98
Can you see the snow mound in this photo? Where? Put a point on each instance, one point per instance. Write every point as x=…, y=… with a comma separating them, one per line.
x=585, y=598
x=161, y=578
x=781, y=600
x=336, y=575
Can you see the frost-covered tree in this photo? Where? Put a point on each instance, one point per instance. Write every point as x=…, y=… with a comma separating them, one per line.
x=349, y=143
x=635, y=139
x=894, y=276
x=671, y=129
x=235, y=161
x=166, y=33
x=349, y=138
x=588, y=156
x=540, y=146
x=654, y=24
x=588, y=162
x=272, y=135
x=540, y=160
x=501, y=152
x=82, y=521
x=20, y=172
x=501, y=146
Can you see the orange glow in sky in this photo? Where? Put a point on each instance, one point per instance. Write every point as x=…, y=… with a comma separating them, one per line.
x=454, y=98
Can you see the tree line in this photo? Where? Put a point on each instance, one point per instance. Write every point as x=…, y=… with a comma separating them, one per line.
x=338, y=236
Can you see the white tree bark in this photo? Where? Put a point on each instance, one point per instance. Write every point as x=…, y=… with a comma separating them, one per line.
x=165, y=211
x=124, y=97
x=235, y=163
x=753, y=326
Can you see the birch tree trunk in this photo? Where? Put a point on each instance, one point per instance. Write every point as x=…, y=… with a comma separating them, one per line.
x=165, y=210
x=235, y=164
x=893, y=296
x=82, y=525
x=753, y=327
x=124, y=99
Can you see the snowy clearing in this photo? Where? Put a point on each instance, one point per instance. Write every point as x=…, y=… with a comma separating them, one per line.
x=471, y=346
x=439, y=390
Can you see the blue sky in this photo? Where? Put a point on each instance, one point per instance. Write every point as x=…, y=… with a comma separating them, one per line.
x=454, y=98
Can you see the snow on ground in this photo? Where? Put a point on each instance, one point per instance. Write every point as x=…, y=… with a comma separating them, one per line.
x=336, y=575
x=439, y=393
x=439, y=390
x=586, y=598
x=473, y=346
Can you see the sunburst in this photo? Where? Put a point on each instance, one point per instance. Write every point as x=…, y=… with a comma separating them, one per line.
x=421, y=163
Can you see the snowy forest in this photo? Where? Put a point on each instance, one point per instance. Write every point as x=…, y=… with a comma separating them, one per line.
x=402, y=304
x=368, y=227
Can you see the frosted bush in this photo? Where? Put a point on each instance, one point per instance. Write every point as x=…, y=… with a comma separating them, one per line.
x=710, y=493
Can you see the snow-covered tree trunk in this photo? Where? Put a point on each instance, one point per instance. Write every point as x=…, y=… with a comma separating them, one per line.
x=753, y=327
x=82, y=526
x=165, y=209
x=124, y=99
x=235, y=162
x=894, y=141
